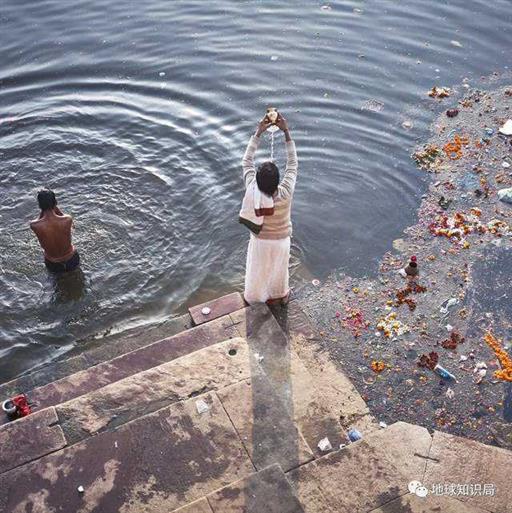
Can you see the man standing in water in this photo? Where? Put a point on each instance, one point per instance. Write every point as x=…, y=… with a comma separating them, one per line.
x=266, y=211
x=53, y=229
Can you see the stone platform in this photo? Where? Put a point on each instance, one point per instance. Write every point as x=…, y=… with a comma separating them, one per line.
x=224, y=414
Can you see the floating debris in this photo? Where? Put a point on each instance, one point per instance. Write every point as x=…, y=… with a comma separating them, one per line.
x=390, y=326
x=439, y=92
x=506, y=129
x=355, y=321
x=429, y=360
x=428, y=156
x=456, y=43
x=451, y=113
x=453, y=149
x=402, y=295
x=372, y=105
x=453, y=341
x=378, y=366
x=505, y=373
x=505, y=195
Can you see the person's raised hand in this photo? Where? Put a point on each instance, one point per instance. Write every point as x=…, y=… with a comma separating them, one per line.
x=262, y=126
x=281, y=123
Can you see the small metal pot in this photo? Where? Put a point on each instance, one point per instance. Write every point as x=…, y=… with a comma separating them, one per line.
x=10, y=409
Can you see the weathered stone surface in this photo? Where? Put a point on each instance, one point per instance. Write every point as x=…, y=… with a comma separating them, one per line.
x=268, y=491
x=332, y=384
x=218, y=308
x=462, y=461
x=159, y=352
x=430, y=504
x=307, y=490
x=157, y=463
x=366, y=474
x=211, y=368
x=264, y=424
x=30, y=438
x=107, y=348
x=317, y=395
x=200, y=506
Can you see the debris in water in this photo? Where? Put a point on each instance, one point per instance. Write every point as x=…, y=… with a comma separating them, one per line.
x=506, y=129
x=355, y=321
x=81, y=489
x=505, y=373
x=453, y=341
x=451, y=113
x=378, y=366
x=390, y=326
x=505, y=195
x=450, y=393
x=428, y=361
x=439, y=92
x=315, y=282
x=456, y=43
x=372, y=105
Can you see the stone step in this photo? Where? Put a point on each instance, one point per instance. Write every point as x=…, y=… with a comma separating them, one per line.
x=211, y=368
x=216, y=308
x=110, y=347
x=319, y=397
x=157, y=463
x=366, y=474
x=266, y=491
x=372, y=475
x=151, y=355
x=89, y=353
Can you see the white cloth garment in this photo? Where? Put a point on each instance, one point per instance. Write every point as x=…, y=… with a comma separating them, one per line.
x=266, y=273
x=255, y=206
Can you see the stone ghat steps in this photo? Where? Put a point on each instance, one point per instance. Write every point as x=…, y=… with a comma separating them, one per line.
x=121, y=357
x=93, y=352
x=166, y=459
x=372, y=476
x=234, y=426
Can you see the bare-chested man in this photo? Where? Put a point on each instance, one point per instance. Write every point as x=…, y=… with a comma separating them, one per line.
x=53, y=229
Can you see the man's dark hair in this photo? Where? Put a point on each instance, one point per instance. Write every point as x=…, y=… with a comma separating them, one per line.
x=46, y=199
x=267, y=178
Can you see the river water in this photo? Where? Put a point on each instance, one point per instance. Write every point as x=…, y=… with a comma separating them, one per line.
x=137, y=114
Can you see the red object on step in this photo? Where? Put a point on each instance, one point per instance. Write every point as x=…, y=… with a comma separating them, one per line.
x=22, y=405
x=413, y=259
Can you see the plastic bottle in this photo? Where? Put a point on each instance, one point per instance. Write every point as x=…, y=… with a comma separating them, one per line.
x=441, y=371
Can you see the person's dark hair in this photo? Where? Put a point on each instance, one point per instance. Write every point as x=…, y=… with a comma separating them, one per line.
x=267, y=178
x=46, y=199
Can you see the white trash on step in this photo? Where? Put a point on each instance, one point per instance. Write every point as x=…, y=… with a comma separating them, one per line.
x=506, y=129
x=201, y=406
x=325, y=445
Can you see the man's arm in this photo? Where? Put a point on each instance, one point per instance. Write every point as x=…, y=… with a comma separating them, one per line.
x=249, y=171
x=287, y=185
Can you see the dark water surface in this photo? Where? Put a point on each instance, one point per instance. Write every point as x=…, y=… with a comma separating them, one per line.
x=137, y=114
